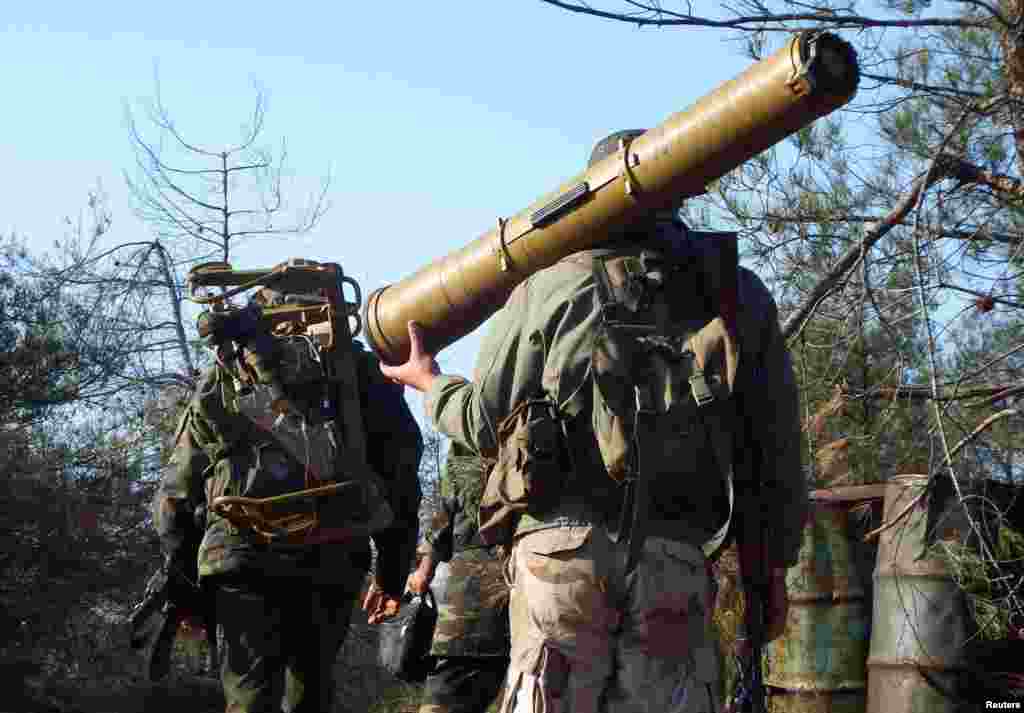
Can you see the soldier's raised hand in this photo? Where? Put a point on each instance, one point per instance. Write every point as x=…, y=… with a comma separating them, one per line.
x=420, y=369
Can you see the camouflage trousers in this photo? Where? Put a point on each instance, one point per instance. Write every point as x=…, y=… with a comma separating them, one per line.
x=463, y=684
x=280, y=641
x=587, y=639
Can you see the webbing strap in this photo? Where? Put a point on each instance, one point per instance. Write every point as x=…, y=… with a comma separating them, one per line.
x=638, y=484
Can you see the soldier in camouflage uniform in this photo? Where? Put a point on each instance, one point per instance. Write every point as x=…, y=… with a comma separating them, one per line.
x=586, y=634
x=283, y=609
x=471, y=641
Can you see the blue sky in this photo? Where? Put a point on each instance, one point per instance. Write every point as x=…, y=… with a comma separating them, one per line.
x=434, y=118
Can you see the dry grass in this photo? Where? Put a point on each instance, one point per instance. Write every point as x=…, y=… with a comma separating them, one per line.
x=85, y=666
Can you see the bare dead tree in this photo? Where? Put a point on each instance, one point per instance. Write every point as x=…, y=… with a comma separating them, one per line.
x=199, y=203
x=213, y=198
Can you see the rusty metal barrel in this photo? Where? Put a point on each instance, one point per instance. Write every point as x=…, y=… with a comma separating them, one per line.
x=920, y=616
x=818, y=664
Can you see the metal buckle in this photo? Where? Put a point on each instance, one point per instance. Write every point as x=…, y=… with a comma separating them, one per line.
x=644, y=400
x=626, y=169
x=504, y=258
x=700, y=389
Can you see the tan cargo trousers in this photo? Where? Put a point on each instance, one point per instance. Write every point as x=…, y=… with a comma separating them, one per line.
x=586, y=639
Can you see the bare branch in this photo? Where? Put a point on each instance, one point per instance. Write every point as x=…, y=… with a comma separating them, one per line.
x=655, y=16
x=849, y=260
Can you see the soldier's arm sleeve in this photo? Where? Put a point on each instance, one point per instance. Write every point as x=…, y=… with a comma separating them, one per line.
x=394, y=446
x=783, y=484
x=179, y=493
x=512, y=360
x=468, y=412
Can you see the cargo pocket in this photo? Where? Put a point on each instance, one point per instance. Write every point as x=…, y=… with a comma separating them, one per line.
x=568, y=603
x=547, y=555
x=690, y=575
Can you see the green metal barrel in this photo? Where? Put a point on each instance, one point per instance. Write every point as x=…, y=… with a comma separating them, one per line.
x=920, y=616
x=818, y=664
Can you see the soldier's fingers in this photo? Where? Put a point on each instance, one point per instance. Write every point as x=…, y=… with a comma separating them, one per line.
x=389, y=374
x=388, y=608
x=372, y=600
x=415, y=341
x=417, y=583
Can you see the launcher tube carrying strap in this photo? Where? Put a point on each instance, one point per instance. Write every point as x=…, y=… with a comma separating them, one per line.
x=636, y=497
x=748, y=525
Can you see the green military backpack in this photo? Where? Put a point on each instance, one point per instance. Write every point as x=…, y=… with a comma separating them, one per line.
x=663, y=366
x=656, y=356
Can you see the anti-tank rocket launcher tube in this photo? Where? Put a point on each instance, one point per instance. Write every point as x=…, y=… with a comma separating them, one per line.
x=814, y=74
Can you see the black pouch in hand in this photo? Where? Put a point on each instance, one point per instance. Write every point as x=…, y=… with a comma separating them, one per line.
x=405, y=639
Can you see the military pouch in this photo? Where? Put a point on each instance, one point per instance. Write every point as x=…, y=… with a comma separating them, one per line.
x=657, y=375
x=654, y=352
x=531, y=470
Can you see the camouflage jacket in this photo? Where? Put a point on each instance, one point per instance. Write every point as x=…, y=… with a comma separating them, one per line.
x=541, y=342
x=218, y=451
x=469, y=586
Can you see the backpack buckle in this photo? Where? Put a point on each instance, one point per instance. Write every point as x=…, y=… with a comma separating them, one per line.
x=644, y=399
x=700, y=389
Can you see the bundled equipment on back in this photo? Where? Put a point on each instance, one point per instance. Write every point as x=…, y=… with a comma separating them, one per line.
x=287, y=373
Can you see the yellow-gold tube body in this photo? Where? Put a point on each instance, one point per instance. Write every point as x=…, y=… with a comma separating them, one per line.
x=812, y=75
